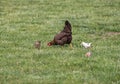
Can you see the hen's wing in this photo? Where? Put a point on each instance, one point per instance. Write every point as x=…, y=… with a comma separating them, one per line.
x=60, y=36
x=61, y=41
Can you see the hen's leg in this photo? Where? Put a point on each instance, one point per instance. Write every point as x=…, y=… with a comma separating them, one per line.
x=71, y=46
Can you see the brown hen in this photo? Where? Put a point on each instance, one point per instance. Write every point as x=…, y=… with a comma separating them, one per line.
x=64, y=37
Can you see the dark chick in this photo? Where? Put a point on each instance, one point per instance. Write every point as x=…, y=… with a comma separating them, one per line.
x=64, y=37
x=37, y=44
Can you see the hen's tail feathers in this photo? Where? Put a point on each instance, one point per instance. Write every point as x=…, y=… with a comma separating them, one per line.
x=67, y=23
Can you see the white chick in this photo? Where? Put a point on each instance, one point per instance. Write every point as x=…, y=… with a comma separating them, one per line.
x=86, y=45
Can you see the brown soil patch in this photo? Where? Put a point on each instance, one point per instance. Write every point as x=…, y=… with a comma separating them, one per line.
x=112, y=33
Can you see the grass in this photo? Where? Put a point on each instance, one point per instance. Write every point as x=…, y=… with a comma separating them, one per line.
x=22, y=22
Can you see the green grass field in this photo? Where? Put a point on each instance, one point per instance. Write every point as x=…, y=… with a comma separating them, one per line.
x=22, y=22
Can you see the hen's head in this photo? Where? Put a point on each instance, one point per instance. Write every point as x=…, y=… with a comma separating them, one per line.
x=49, y=44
